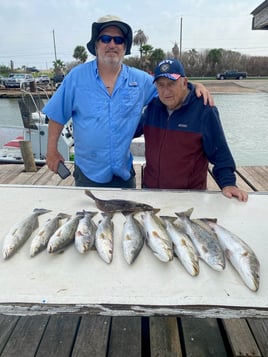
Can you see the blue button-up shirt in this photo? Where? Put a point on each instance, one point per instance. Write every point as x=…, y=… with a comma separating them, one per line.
x=103, y=124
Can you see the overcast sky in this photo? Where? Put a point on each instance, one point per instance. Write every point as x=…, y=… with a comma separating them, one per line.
x=27, y=26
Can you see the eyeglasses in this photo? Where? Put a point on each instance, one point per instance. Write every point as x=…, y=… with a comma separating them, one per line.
x=118, y=40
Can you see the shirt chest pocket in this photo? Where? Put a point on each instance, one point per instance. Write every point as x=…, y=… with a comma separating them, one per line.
x=90, y=105
x=131, y=100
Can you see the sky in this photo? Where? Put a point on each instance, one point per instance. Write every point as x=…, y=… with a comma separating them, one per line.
x=30, y=28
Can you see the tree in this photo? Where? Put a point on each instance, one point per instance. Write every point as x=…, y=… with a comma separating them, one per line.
x=59, y=66
x=214, y=58
x=140, y=39
x=156, y=56
x=146, y=50
x=80, y=54
x=190, y=59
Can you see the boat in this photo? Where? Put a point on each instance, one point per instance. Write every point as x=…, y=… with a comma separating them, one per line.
x=35, y=130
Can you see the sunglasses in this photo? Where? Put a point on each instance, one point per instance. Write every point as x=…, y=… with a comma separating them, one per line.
x=118, y=40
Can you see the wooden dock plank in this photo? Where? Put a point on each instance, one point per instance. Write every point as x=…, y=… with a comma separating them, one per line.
x=92, y=336
x=164, y=337
x=25, y=337
x=256, y=176
x=211, y=183
x=10, y=172
x=7, y=324
x=25, y=178
x=241, y=183
x=259, y=329
x=125, y=338
x=59, y=336
x=202, y=337
x=240, y=338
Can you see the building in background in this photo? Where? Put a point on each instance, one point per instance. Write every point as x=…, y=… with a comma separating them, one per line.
x=260, y=17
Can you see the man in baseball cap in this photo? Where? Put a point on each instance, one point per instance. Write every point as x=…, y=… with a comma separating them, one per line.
x=182, y=136
x=169, y=68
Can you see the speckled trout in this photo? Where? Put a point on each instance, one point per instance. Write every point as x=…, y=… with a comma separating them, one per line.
x=64, y=235
x=240, y=254
x=40, y=240
x=205, y=240
x=104, y=237
x=183, y=246
x=85, y=232
x=21, y=231
x=157, y=237
x=133, y=237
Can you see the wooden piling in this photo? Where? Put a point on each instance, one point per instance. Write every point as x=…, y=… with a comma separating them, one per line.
x=27, y=155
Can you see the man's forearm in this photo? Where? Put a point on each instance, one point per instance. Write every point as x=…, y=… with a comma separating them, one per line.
x=54, y=131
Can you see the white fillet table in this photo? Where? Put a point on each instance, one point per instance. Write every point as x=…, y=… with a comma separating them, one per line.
x=74, y=283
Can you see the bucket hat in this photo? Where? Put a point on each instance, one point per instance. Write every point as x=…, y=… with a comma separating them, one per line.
x=102, y=23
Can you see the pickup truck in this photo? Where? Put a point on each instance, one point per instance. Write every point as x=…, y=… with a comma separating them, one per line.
x=232, y=74
x=18, y=80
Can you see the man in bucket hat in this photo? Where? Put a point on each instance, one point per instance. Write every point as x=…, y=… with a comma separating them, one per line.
x=105, y=99
x=182, y=136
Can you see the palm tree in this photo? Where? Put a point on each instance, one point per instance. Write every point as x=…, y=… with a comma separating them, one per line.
x=157, y=55
x=59, y=66
x=80, y=54
x=140, y=39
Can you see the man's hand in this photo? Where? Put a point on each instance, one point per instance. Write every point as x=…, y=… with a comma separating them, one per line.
x=233, y=191
x=201, y=90
x=53, y=158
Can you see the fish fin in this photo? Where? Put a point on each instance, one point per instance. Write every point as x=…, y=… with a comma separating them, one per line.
x=228, y=253
x=185, y=213
x=90, y=194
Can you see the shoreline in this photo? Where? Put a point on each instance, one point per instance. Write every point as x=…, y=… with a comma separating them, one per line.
x=235, y=86
x=214, y=86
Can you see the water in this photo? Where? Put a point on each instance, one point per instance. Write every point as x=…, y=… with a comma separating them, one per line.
x=245, y=121
x=244, y=118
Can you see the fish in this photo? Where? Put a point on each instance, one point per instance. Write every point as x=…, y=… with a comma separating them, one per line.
x=183, y=246
x=64, y=235
x=40, y=240
x=104, y=237
x=85, y=232
x=204, y=239
x=156, y=236
x=240, y=255
x=133, y=237
x=21, y=231
x=118, y=205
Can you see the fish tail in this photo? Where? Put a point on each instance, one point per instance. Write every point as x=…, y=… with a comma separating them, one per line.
x=107, y=214
x=132, y=213
x=169, y=218
x=40, y=211
x=63, y=215
x=208, y=220
x=185, y=213
x=90, y=194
